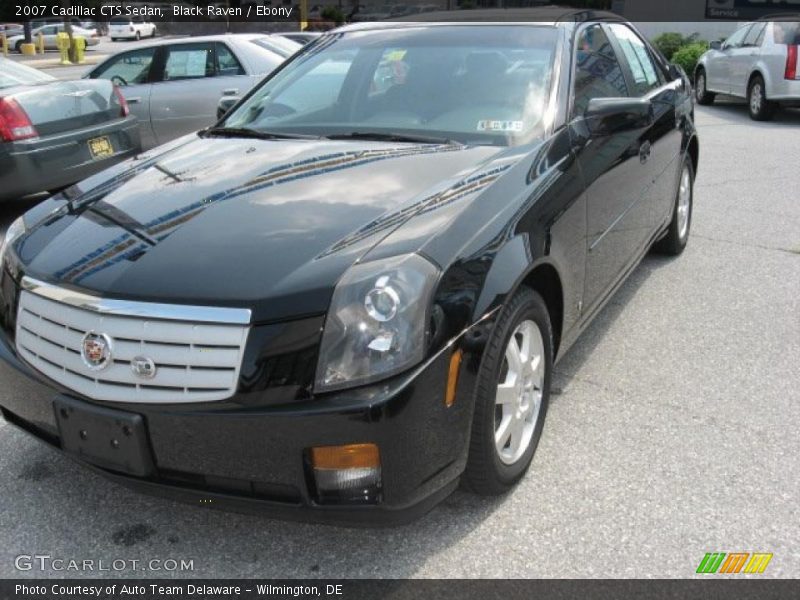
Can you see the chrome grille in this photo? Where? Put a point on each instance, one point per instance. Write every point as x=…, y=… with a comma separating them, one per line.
x=197, y=357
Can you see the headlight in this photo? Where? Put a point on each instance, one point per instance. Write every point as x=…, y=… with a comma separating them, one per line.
x=377, y=322
x=16, y=229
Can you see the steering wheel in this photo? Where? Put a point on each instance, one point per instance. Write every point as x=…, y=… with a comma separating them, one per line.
x=118, y=80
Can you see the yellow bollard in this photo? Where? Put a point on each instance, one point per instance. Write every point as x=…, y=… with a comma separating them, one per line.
x=28, y=49
x=79, y=44
x=40, y=42
x=62, y=43
x=4, y=43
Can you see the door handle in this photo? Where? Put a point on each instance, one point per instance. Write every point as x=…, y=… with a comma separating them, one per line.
x=134, y=100
x=230, y=92
x=644, y=152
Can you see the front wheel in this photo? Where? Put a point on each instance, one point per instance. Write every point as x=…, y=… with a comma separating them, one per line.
x=701, y=93
x=512, y=393
x=759, y=107
x=677, y=235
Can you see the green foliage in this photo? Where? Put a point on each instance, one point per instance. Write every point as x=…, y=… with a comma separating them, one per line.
x=669, y=43
x=688, y=56
x=332, y=13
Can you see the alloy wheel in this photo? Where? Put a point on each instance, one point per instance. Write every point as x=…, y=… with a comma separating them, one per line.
x=684, y=202
x=519, y=394
x=756, y=98
x=700, y=86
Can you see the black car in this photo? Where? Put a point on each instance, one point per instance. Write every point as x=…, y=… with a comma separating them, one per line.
x=54, y=133
x=349, y=294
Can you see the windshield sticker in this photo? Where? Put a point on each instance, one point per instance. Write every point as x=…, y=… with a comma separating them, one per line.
x=504, y=126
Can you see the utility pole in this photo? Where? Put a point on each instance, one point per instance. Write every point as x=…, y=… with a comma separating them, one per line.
x=68, y=29
x=26, y=28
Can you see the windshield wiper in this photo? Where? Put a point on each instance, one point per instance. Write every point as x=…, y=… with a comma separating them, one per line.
x=392, y=137
x=246, y=132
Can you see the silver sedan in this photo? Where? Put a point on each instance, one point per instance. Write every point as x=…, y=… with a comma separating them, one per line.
x=758, y=62
x=174, y=86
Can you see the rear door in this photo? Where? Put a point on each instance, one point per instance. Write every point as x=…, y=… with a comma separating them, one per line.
x=611, y=167
x=662, y=140
x=744, y=57
x=133, y=71
x=194, y=76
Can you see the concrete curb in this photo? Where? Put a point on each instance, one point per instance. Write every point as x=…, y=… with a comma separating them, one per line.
x=53, y=63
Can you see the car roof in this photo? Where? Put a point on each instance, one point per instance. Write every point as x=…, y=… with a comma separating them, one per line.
x=781, y=17
x=206, y=38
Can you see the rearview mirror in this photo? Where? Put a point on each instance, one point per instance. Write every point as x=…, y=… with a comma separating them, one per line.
x=605, y=116
x=715, y=45
x=225, y=104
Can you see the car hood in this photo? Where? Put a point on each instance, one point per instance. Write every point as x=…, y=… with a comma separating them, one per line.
x=266, y=224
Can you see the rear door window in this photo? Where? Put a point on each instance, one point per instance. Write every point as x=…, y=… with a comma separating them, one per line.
x=189, y=61
x=637, y=56
x=755, y=35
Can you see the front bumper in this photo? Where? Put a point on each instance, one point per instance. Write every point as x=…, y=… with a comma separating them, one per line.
x=58, y=160
x=254, y=458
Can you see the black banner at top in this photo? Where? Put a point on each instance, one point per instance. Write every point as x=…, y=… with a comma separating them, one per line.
x=337, y=12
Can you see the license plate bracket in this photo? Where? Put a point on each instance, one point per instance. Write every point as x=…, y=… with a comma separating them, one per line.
x=106, y=437
x=100, y=147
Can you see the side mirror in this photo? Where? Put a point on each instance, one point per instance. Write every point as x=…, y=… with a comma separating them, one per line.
x=675, y=71
x=605, y=116
x=715, y=45
x=225, y=104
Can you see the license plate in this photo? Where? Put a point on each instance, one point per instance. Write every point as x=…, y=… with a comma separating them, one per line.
x=109, y=438
x=100, y=147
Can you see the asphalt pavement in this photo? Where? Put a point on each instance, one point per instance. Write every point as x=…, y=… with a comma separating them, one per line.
x=672, y=431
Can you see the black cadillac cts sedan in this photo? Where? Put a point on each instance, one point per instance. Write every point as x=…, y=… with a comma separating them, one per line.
x=348, y=296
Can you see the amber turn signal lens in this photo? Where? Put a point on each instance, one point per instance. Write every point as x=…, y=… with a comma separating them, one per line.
x=352, y=456
x=452, y=377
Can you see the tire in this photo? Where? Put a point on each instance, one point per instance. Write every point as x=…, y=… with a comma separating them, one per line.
x=488, y=472
x=677, y=235
x=153, y=33
x=758, y=106
x=138, y=36
x=113, y=39
x=701, y=93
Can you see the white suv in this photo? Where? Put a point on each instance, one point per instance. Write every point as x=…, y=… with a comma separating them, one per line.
x=758, y=62
x=130, y=28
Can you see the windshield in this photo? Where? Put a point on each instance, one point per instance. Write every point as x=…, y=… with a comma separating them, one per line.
x=12, y=74
x=471, y=84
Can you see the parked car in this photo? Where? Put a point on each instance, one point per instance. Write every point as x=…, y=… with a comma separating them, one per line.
x=50, y=33
x=54, y=133
x=173, y=86
x=130, y=28
x=759, y=62
x=10, y=29
x=338, y=306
